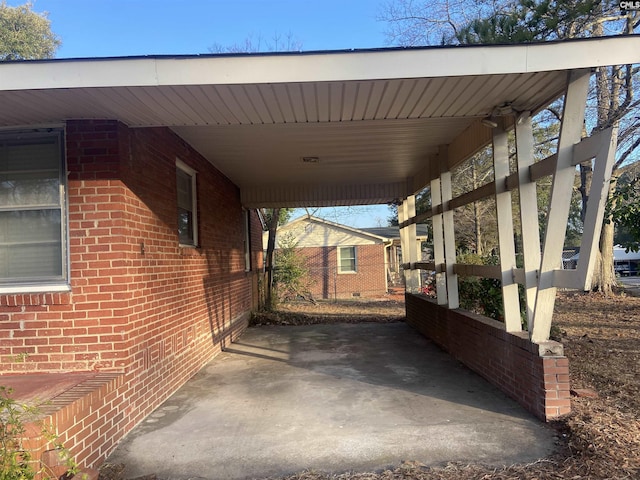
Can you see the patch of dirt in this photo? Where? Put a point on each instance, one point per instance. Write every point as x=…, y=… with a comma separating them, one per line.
x=341, y=311
x=602, y=341
x=600, y=439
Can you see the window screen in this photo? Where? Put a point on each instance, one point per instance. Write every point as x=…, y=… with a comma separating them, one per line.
x=32, y=217
x=347, y=259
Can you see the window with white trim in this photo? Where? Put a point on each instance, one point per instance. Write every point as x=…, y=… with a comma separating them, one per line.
x=347, y=260
x=33, y=249
x=187, y=204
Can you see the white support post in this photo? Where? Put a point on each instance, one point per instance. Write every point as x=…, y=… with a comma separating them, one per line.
x=559, y=204
x=453, y=300
x=403, y=242
x=528, y=210
x=414, y=275
x=596, y=205
x=505, y=231
x=438, y=241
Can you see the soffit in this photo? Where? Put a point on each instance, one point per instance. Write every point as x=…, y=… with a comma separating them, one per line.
x=374, y=119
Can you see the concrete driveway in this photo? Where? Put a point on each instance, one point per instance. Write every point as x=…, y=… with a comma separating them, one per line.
x=630, y=284
x=333, y=398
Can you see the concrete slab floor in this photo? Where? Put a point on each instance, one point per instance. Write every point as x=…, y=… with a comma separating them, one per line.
x=333, y=398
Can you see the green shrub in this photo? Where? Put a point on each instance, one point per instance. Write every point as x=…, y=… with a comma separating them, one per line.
x=484, y=295
x=17, y=461
x=291, y=276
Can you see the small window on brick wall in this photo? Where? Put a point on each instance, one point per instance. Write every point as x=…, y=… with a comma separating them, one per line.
x=187, y=204
x=347, y=260
x=33, y=246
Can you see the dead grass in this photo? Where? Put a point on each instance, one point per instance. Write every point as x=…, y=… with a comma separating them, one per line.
x=341, y=311
x=600, y=439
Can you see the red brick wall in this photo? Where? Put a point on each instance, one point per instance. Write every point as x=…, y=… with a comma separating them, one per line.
x=326, y=282
x=139, y=303
x=510, y=361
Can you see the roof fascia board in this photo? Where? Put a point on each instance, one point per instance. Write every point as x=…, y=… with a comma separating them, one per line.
x=357, y=231
x=321, y=67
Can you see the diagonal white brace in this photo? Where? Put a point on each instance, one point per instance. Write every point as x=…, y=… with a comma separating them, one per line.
x=504, y=210
x=528, y=210
x=598, y=195
x=558, y=214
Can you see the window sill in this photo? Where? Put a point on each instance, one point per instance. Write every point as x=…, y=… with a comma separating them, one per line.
x=347, y=273
x=40, y=289
x=190, y=250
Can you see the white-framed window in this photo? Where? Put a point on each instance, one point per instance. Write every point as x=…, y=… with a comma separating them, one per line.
x=347, y=260
x=246, y=220
x=187, y=204
x=33, y=219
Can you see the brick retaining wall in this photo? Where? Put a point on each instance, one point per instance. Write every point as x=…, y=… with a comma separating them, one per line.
x=534, y=375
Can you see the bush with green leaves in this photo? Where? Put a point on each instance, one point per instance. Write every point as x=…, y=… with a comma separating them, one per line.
x=291, y=276
x=17, y=459
x=624, y=210
x=484, y=295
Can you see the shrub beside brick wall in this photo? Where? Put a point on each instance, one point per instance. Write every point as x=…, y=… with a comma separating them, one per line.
x=140, y=304
x=536, y=376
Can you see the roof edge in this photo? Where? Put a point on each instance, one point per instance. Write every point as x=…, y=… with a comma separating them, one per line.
x=304, y=67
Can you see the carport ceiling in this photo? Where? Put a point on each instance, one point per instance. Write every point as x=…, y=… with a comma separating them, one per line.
x=369, y=121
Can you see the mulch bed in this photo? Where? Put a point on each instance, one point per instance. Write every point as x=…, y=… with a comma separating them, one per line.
x=600, y=439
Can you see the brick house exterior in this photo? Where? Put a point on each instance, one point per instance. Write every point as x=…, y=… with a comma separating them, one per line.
x=141, y=311
x=134, y=311
x=328, y=282
x=345, y=262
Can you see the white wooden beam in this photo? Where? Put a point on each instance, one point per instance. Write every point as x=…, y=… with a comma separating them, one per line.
x=528, y=211
x=485, y=271
x=403, y=243
x=453, y=300
x=430, y=266
x=479, y=193
x=438, y=241
x=413, y=275
x=566, y=279
x=560, y=201
x=510, y=298
x=598, y=195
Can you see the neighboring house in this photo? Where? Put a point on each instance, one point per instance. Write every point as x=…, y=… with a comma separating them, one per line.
x=347, y=262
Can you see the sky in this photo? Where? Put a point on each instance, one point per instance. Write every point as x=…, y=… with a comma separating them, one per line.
x=108, y=28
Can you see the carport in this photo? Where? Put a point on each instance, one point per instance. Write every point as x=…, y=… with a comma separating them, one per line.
x=376, y=126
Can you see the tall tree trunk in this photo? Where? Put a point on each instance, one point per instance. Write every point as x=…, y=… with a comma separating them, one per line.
x=586, y=176
x=476, y=209
x=478, y=231
x=271, y=246
x=604, y=277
